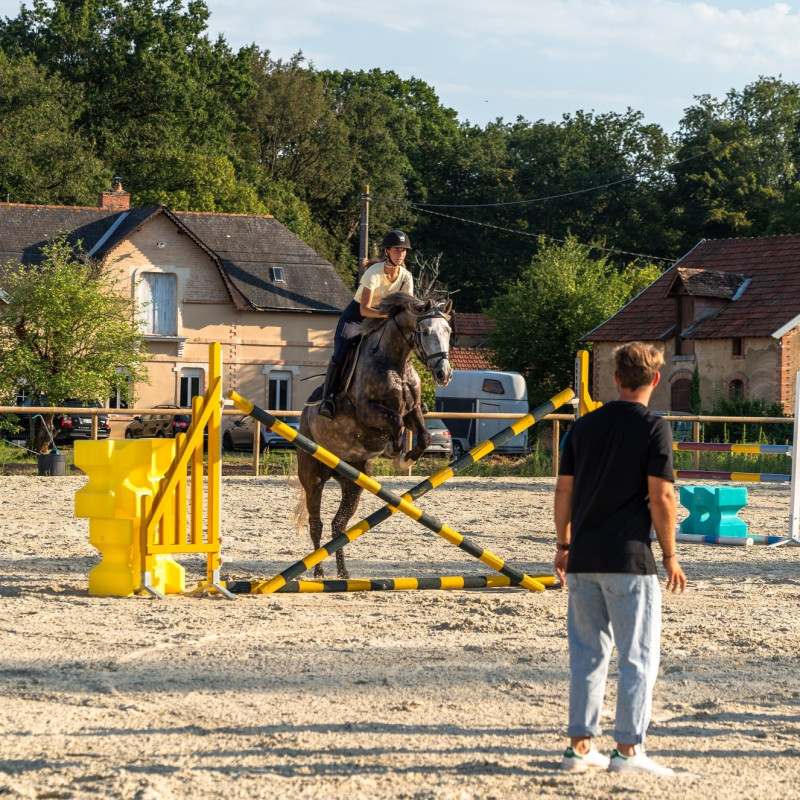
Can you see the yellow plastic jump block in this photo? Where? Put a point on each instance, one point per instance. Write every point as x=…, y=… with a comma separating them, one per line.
x=121, y=473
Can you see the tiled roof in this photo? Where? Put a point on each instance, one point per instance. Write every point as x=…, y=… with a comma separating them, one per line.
x=469, y=358
x=709, y=282
x=766, y=303
x=246, y=248
x=472, y=324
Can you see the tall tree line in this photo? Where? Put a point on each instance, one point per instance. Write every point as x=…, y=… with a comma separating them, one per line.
x=95, y=88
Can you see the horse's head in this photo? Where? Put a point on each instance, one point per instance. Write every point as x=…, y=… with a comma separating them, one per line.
x=432, y=338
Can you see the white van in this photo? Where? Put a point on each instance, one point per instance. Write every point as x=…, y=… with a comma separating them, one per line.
x=483, y=392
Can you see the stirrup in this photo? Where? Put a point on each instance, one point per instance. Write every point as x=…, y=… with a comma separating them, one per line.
x=327, y=408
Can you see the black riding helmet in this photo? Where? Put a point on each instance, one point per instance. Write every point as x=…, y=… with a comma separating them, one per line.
x=396, y=239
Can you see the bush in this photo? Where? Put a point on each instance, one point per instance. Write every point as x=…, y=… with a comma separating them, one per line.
x=742, y=432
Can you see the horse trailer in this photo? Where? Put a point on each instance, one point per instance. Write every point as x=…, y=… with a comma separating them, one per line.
x=483, y=392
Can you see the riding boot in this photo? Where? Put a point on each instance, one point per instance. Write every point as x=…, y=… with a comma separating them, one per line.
x=327, y=408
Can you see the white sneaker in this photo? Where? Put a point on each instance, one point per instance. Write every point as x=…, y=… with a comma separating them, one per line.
x=575, y=762
x=638, y=762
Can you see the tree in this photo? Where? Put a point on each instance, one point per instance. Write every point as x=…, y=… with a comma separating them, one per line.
x=563, y=294
x=69, y=330
x=737, y=163
x=43, y=158
x=151, y=79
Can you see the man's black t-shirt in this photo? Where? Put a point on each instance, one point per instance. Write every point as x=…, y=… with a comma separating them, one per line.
x=610, y=453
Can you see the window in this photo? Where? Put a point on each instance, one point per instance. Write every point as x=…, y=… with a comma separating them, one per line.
x=158, y=293
x=736, y=390
x=685, y=318
x=737, y=347
x=191, y=386
x=280, y=384
x=277, y=274
x=493, y=386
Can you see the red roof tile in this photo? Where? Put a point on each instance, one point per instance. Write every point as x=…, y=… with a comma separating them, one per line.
x=472, y=324
x=469, y=358
x=767, y=302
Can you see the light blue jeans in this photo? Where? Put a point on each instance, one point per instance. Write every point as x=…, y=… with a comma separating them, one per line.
x=604, y=609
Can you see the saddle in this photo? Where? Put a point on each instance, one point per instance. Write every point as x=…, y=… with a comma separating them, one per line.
x=350, y=362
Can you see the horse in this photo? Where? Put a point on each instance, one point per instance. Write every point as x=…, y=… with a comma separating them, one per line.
x=378, y=400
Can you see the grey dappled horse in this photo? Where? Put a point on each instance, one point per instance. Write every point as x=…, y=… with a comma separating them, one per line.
x=376, y=405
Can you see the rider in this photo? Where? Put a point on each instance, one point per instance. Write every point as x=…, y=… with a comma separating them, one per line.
x=379, y=280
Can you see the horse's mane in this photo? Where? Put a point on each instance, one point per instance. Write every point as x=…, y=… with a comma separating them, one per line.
x=394, y=304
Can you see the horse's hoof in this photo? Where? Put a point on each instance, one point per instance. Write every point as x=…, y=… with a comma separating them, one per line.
x=319, y=572
x=343, y=574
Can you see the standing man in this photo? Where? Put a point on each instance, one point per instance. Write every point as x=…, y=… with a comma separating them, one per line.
x=615, y=482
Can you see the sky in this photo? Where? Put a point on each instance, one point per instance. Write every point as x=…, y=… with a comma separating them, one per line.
x=536, y=59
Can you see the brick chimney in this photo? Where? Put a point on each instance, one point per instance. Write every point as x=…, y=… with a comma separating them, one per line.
x=115, y=200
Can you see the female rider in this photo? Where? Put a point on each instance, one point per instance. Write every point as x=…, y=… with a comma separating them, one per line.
x=378, y=280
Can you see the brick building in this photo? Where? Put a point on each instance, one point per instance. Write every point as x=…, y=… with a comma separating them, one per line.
x=730, y=308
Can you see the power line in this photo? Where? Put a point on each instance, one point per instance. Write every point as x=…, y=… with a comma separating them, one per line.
x=427, y=207
x=639, y=176
x=533, y=235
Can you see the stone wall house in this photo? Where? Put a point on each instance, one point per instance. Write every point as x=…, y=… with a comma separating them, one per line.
x=730, y=309
x=244, y=281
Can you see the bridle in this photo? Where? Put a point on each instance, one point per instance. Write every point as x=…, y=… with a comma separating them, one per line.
x=415, y=342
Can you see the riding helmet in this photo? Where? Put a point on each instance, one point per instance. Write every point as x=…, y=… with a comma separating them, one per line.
x=396, y=239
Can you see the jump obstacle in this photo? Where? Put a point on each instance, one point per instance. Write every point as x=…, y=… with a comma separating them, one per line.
x=138, y=491
x=481, y=450
x=393, y=500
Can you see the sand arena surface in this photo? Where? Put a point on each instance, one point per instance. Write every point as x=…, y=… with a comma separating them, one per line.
x=458, y=695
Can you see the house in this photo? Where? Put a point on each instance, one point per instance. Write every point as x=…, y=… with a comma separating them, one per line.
x=730, y=309
x=244, y=281
x=468, y=341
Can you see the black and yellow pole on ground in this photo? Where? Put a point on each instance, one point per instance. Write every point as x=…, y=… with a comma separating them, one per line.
x=437, y=479
x=395, y=501
x=388, y=584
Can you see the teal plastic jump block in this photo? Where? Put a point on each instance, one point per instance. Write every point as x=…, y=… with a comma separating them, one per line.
x=713, y=510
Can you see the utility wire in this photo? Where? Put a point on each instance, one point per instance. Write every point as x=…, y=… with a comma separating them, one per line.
x=427, y=207
x=639, y=176
x=535, y=235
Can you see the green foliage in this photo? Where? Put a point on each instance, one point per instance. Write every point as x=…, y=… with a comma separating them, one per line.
x=197, y=182
x=151, y=80
x=44, y=158
x=428, y=389
x=67, y=331
x=563, y=294
x=742, y=432
x=695, y=392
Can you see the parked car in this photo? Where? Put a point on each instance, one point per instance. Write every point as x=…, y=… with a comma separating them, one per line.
x=69, y=427
x=164, y=425
x=441, y=438
x=239, y=436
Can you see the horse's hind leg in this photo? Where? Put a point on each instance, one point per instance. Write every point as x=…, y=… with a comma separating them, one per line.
x=350, y=496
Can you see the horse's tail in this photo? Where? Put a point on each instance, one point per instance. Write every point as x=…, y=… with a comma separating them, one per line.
x=299, y=512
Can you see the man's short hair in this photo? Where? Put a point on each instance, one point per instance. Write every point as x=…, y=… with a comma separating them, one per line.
x=637, y=364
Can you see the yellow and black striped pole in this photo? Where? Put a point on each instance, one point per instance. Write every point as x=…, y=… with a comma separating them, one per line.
x=437, y=479
x=398, y=503
x=388, y=584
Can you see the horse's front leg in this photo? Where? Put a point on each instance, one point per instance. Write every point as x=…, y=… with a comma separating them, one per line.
x=350, y=497
x=415, y=422
x=312, y=476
